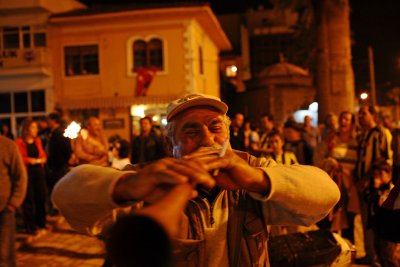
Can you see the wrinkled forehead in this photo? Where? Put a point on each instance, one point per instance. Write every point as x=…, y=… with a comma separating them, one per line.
x=198, y=115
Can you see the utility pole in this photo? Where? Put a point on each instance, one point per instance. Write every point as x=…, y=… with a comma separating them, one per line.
x=372, y=75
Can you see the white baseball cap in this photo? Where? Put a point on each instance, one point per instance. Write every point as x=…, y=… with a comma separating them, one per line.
x=193, y=100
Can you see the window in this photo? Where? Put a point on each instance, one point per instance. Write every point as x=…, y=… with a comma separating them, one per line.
x=5, y=100
x=39, y=39
x=21, y=102
x=38, y=101
x=140, y=54
x=81, y=60
x=11, y=38
x=148, y=54
x=16, y=106
x=156, y=53
x=23, y=37
x=26, y=36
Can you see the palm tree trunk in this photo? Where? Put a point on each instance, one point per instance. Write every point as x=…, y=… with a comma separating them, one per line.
x=334, y=75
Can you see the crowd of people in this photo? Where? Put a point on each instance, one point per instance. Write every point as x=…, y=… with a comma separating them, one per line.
x=274, y=162
x=359, y=153
x=41, y=155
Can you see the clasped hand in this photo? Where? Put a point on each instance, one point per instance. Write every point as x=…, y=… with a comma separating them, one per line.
x=155, y=180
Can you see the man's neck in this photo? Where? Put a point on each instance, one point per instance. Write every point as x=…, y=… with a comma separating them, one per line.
x=369, y=127
x=145, y=134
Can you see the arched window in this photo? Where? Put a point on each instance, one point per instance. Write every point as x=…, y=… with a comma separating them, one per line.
x=156, y=53
x=148, y=54
x=139, y=54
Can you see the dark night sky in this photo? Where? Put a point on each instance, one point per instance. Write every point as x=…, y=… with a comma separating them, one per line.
x=374, y=22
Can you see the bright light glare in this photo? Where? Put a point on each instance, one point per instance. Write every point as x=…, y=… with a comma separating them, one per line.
x=364, y=96
x=72, y=130
x=156, y=118
x=164, y=121
x=231, y=71
x=313, y=106
x=138, y=111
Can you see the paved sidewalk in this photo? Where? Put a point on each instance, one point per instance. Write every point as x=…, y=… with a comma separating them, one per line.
x=60, y=246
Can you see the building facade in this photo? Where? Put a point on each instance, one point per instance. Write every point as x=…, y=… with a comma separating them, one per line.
x=26, y=81
x=99, y=56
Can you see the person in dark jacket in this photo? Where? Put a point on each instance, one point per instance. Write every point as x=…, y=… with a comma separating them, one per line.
x=58, y=153
x=149, y=145
x=236, y=132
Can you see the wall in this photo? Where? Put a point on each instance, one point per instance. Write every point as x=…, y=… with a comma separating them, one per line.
x=208, y=82
x=113, y=79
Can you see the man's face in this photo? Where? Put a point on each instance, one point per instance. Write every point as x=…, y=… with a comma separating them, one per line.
x=266, y=123
x=94, y=127
x=345, y=122
x=145, y=126
x=365, y=118
x=276, y=144
x=33, y=129
x=382, y=176
x=197, y=127
x=239, y=120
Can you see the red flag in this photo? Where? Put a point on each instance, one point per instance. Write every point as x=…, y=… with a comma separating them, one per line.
x=144, y=79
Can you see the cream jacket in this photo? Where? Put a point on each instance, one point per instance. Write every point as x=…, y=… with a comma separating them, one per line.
x=299, y=195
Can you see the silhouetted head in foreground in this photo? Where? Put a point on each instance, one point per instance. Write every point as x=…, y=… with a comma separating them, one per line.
x=137, y=240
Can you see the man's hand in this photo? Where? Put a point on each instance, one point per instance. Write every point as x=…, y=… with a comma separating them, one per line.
x=155, y=180
x=235, y=173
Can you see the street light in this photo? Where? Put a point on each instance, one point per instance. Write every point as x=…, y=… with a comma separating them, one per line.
x=364, y=96
x=231, y=71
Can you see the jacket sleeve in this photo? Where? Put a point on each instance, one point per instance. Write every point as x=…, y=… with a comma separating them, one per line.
x=299, y=194
x=84, y=197
x=64, y=144
x=22, y=149
x=42, y=154
x=18, y=177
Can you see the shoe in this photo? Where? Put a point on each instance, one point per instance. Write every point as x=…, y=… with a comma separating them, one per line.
x=363, y=261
